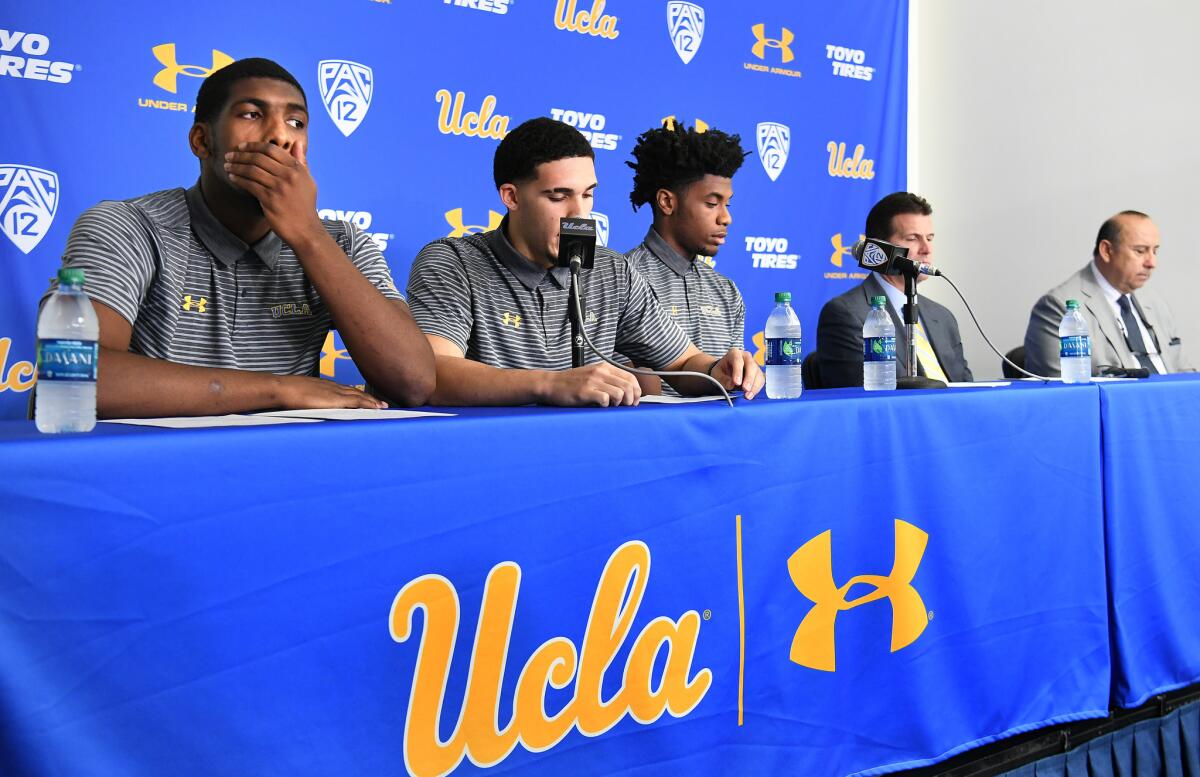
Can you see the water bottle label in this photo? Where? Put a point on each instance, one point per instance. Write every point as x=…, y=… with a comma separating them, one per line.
x=1075, y=345
x=783, y=351
x=67, y=359
x=879, y=349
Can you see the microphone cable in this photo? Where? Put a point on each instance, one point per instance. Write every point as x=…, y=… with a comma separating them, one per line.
x=985, y=337
x=576, y=264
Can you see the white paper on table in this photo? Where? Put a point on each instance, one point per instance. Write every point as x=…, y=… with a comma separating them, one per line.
x=659, y=399
x=350, y=414
x=981, y=384
x=208, y=421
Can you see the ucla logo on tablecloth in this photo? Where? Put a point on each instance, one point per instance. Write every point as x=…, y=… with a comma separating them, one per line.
x=774, y=141
x=457, y=228
x=346, y=90
x=685, y=22
x=602, y=696
x=22, y=56
x=601, y=227
x=28, y=202
x=811, y=570
x=873, y=256
x=168, y=78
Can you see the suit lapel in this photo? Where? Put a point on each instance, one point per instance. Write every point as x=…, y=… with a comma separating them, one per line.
x=1101, y=312
x=1149, y=313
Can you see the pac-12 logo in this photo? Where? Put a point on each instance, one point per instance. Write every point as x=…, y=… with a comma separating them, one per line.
x=346, y=90
x=873, y=256
x=28, y=202
x=774, y=141
x=685, y=23
x=601, y=227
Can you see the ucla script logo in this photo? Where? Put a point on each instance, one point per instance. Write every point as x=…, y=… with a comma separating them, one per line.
x=479, y=733
x=346, y=90
x=685, y=23
x=28, y=202
x=774, y=141
x=811, y=570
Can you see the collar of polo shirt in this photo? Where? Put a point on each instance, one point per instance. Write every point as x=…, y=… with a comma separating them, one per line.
x=220, y=242
x=529, y=274
x=681, y=265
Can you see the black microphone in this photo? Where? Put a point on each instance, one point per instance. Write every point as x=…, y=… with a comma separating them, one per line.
x=889, y=259
x=577, y=240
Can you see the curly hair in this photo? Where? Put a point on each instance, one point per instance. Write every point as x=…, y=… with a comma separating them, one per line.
x=675, y=156
x=214, y=90
x=533, y=143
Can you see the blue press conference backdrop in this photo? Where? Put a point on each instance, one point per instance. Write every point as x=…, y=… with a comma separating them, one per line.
x=409, y=99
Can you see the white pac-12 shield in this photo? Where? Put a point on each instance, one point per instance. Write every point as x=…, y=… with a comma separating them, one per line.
x=873, y=256
x=685, y=22
x=774, y=140
x=28, y=202
x=346, y=90
x=601, y=228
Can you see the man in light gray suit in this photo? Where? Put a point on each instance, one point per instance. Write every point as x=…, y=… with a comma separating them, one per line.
x=905, y=219
x=1128, y=330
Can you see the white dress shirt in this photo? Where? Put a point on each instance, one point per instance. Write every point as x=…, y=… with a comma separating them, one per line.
x=1113, y=296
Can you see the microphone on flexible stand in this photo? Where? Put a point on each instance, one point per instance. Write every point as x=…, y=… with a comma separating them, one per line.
x=889, y=259
x=577, y=250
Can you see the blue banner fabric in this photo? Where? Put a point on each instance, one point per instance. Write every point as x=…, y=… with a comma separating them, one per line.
x=408, y=100
x=1151, y=493
x=842, y=585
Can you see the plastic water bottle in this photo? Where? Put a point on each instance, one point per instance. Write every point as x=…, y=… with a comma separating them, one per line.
x=879, y=348
x=67, y=357
x=783, y=350
x=1075, y=354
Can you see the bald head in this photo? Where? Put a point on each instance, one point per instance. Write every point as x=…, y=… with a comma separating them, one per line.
x=1126, y=250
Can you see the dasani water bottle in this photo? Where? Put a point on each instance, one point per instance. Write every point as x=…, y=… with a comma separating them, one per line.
x=67, y=357
x=1075, y=354
x=879, y=348
x=784, y=356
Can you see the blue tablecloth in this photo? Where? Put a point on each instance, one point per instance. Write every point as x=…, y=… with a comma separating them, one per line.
x=1152, y=510
x=912, y=575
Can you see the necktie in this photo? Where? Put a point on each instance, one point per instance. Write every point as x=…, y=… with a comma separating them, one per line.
x=1133, y=333
x=926, y=356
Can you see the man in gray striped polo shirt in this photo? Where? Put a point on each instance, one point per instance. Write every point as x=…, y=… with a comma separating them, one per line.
x=686, y=176
x=494, y=306
x=217, y=299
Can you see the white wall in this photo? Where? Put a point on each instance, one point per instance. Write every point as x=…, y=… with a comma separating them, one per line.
x=1034, y=122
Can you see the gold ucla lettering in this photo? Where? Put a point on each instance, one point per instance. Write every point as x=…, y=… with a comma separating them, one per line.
x=593, y=22
x=478, y=734
x=452, y=120
x=855, y=167
x=20, y=376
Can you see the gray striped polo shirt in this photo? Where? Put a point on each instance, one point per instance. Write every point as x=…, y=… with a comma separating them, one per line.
x=503, y=310
x=706, y=305
x=196, y=294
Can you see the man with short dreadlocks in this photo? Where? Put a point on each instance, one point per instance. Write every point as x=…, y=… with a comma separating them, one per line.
x=686, y=176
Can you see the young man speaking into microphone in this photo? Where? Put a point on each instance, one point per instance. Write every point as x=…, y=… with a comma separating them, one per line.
x=494, y=305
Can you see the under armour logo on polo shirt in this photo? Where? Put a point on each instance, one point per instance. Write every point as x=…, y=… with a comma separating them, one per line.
x=197, y=305
x=511, y=319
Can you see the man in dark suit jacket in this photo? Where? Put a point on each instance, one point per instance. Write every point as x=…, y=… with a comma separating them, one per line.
x=905, y=219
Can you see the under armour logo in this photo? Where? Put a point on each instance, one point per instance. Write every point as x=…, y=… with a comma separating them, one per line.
x=455, y=219
x=168, y=77
x=783, y=42
x=668, y=123
x=811, y=570
x=839, y=250
x=330, y=354
x=511, y=319
x=200, y=304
